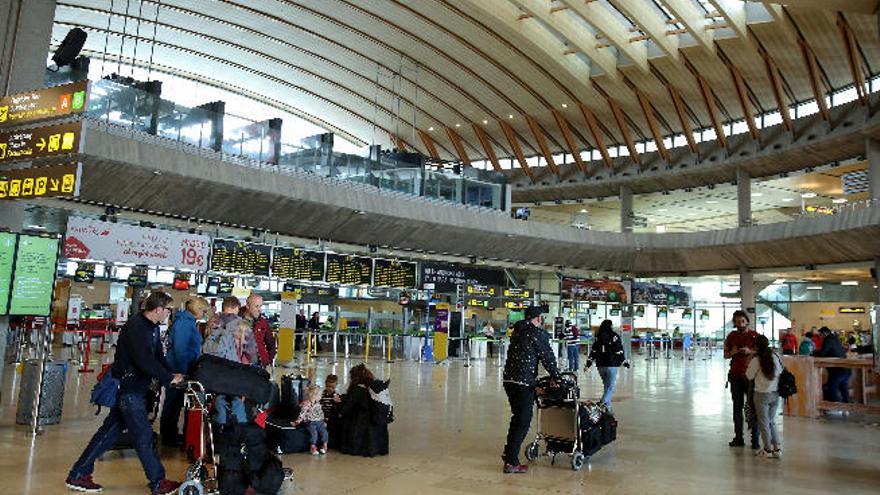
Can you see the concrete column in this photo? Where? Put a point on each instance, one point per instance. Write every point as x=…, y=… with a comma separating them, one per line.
x=872, y=147
x=26, y=27
x=876, y=330
x=744, y=197
x=747, y=292
x=626, y=209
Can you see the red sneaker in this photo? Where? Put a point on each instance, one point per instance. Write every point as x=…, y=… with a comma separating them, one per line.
x=166, y=487
x=84, y=484
x=515, y=469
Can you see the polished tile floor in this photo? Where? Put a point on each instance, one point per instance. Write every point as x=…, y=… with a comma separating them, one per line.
x=449, y=431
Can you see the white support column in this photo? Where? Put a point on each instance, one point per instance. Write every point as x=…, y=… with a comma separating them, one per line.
x=626, y=209
x=872, y=147
x=747, y=292
x=26, y=27
x=744, y=197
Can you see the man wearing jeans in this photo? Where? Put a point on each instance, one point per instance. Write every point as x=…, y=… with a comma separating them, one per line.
x=739, y=347
x=139, y=360
x=529, y=345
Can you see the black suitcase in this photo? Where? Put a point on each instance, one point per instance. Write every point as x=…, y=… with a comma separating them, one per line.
x=293, y=388
x=284, y=438
x=222, y=376
x=608, y=426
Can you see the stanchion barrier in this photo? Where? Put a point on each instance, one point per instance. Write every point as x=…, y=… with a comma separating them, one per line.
x=389, y=360
x=308, y=349
x=367, y=349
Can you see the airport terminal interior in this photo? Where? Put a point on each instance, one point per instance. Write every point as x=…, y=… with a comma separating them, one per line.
x=559, y=246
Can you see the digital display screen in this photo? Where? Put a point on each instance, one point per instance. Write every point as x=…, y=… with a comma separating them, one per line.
x=138, y=276
x=34, y=277
x=244, y=258
x=393, y=273
x=349, y=270
x=297, y=264
x=7, y=255
x=85, y=272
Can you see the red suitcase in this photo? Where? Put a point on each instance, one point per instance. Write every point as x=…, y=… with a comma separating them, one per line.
x=193, y=432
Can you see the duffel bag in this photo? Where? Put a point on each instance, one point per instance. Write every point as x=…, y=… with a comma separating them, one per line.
x=608, y=426
x=284, y=438
x=222, y=376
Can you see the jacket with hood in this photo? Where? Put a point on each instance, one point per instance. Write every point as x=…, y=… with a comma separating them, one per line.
x=184, y=342
x=607, y=351
x=529, y=345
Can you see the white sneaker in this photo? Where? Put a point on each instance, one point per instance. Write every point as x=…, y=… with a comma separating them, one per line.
x=776, y=454
x=763, y=453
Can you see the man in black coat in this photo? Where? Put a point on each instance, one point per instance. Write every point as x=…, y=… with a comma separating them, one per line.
x=139, y=360
x=836, y=389
x=529, y=345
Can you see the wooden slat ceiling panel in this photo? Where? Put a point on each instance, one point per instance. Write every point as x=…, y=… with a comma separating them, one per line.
x=820, y=29
x=685, y=84
x=716, y=74
x=751, y=66
x=657, y=95
x=865, y=28
x=786, y=54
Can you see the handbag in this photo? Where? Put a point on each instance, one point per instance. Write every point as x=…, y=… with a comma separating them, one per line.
x=105, y=391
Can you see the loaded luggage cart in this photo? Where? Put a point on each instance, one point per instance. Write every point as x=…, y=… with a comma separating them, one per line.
x=201, y=475
x=568, y=426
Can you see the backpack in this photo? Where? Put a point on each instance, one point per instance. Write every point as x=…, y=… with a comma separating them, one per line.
x=381, y=407
x=787, y=384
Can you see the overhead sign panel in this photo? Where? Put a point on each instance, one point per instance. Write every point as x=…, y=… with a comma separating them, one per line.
x=297, y=264
x=41, y=182
x=34, y=278
x=46, y=103
x=349, y=270
x=596, y=290
x=92, y=239
x=240, y=257
x=51, y=140
x=393, y=273
x=446, y=277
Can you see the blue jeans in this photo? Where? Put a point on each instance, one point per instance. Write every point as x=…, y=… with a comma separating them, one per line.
x=129, y=412
x=609, y=379
x=837, y=386
x=573, y=356
x=234, y=403
x=317, y=433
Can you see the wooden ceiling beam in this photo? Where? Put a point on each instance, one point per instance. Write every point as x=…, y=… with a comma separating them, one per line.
x=624, y=130
x=569, y=29
x=455, y=139
x=517, y=151
x=852, y=57
x=686, y=128
x=429, y=144
x=857, y=6
x=487, y=146
x=691, y=17
x=542, y=143
x=712, y=108
x=648, y=110
x=593, y=127
x=569, y=140
x=743, y=98
x=606, y=23
x=778, y=92
x=398, y=142
x=812, y=66
x=651, y=24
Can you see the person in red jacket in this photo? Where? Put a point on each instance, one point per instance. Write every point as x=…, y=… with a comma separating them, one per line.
x=252, y=312
x=739, y=347
x=789, y=342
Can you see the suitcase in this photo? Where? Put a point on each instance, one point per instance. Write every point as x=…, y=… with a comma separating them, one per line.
x=284, y=438
x=608, y=425
x=222, y=376
x=292, y=389
x=194, y=432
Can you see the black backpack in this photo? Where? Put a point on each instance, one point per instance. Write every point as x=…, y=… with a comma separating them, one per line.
x=787, y=384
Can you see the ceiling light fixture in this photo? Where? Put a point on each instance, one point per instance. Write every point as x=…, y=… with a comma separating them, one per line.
x=839, y=201
x=510, y=116
x=485, y=122
x=711, y=202
x=808, y=195
x=430, y=128
x=757, y=194
x=787, y=200
x=457, y=125
x=814, y=287
x=565, y=105
x=662, y=210
x=584, y=210
x=849, y=282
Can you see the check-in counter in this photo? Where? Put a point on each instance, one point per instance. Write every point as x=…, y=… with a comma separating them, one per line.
x=810, y=374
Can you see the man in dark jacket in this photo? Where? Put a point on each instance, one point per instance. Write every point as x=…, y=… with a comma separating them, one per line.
x=837, y=387
x=529, y=345
x=139, y=360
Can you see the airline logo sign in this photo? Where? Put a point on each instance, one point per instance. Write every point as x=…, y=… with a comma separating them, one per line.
x=41, y=182
x=46, y=103
x=51, y=140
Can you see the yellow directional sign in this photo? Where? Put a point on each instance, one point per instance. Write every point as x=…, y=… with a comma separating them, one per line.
x=41, y=182
x=50, y=140
x=45, y=103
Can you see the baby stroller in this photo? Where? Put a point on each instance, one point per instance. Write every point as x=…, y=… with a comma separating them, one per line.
x=558, y=421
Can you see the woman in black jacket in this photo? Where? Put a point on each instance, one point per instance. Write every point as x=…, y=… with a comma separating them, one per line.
x=607, y=353
x=362, y=434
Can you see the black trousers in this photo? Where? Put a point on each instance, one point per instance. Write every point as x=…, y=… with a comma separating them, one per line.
x=739, y=391
x=522, y=402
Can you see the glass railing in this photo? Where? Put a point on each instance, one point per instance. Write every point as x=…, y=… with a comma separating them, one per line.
x=207, y=127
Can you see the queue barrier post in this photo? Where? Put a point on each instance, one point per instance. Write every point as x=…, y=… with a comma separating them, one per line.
x=389, y=360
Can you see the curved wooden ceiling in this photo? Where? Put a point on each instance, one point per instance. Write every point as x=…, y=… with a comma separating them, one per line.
x=442, y=75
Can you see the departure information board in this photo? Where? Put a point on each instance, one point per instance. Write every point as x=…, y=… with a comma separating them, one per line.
x=393, y=273
x=349, y=270
x=34, y=279
x=243, y=258
x=7, y=255
x=297, y=264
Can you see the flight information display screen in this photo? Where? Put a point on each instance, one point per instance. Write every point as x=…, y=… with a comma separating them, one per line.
x=297, y=264
x=393, y=273
x=349, y=270
x=240, y=257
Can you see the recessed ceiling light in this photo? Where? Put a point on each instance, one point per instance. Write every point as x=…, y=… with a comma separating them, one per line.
x=457, y=125
x=430, y=128
x=757, y=194
x=814, y=287
x=565, y=105
x=711, y=202
x=787, y=200
x=510, y=116
x=839, y=201
x=485, y=121
x=662, y=210
x=584, y=210
x=808, y=195
x=692, y=214
x=849, y=282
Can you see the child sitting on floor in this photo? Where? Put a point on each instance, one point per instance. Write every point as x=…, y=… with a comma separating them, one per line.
x=312, y=416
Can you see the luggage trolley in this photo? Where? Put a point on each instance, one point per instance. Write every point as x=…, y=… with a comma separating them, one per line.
x=201, y=475
x=558, y=419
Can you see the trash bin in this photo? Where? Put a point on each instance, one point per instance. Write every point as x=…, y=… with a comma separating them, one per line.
x=51, y=395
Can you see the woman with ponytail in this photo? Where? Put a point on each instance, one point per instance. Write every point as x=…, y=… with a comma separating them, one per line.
x=765, y=368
